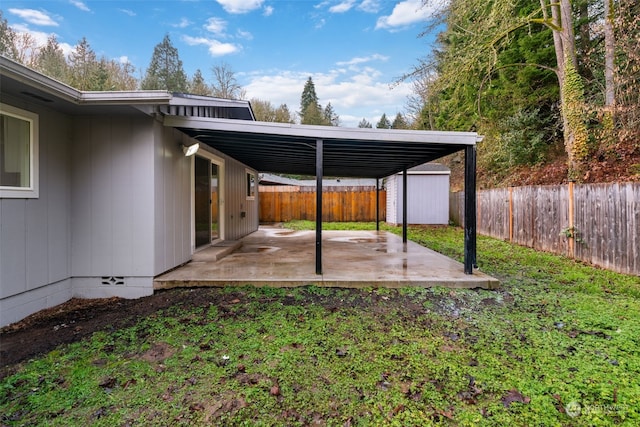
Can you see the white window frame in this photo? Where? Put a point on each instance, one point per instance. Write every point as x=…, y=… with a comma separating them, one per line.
x=33, y=191
x=248, y=173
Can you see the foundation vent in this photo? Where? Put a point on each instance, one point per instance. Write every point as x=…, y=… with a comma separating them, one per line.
x=113, y=280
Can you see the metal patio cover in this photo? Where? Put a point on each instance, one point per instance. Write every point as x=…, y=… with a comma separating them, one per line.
x=347, y=152
x=342, y=152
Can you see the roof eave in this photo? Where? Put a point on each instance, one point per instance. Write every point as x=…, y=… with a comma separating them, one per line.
x=323, y=132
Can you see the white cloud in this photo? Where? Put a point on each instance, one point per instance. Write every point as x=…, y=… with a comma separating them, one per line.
x=370, y=6
x=41, y=37
x=215, y=47
x=362, y=59
x=127, y=12
x=184, y=23
x=80, y=5
x=216, y=26
x=34, y=17
x=353, y=95
x=320, y=23
x=244, y=35
x=124, y=59
x=240, y=6
x=406, y=13
x=342, y=7
x=268, y=11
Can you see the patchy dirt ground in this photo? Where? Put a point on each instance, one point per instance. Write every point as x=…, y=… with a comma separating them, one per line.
x=79, y=318
x=75, y=319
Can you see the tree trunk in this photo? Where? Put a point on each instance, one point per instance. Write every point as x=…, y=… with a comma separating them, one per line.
x=571, y=89
x=609, y=54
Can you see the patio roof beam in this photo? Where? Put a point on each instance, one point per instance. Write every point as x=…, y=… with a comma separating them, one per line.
x=319, y=173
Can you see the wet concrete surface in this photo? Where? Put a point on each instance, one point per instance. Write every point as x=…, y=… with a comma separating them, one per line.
x=280, y=257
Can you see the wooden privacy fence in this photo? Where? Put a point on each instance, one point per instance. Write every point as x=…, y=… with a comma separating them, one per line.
x=596, y=223
x=339, y=204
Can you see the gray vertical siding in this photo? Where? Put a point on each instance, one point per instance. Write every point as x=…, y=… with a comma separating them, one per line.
x=173, y=189
x=115, y=201
x=34, y=236
x=427, y=199
x=236, y=202
x=172, y=236
x=392, y=200
x=112, y=187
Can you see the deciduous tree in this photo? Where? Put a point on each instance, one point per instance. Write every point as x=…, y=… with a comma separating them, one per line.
x=225, y=85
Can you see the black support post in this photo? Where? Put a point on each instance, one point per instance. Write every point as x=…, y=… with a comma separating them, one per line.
x=377, y=204
x=470, y=209
x=319, y=173
x=404, y=206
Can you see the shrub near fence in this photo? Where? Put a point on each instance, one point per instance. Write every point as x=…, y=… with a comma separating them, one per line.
x=596, y=223
x=339, y=204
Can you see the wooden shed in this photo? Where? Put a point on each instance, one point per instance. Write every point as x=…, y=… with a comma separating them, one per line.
x=427, y=195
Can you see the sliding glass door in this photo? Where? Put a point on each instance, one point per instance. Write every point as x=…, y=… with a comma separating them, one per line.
x=207, y=181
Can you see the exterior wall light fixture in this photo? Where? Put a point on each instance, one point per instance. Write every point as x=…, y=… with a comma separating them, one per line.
x=190, y=150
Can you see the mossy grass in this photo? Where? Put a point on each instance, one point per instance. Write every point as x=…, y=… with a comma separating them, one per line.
x=557, y=344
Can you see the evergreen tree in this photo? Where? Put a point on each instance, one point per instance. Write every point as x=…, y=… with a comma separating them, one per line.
x=101, y=78
x=310, y=108
x=399, y=122
x=384, y=122
x=330, y=116
x=83, y=67
x=313, y=116
x=364, y=123
x=51, y=61
x=198, y=86
x=165, y=70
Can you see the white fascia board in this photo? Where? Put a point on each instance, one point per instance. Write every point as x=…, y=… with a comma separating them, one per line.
x=324, y=132
x=156, y=97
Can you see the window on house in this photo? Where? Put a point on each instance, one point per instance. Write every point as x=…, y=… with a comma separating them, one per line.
x=18, y=153
x=251, y=185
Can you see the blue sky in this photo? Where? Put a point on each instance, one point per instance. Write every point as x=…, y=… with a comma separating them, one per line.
x=353, y=49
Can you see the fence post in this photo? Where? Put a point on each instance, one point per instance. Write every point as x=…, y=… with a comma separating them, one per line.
x=510, y=214
x=571, y=234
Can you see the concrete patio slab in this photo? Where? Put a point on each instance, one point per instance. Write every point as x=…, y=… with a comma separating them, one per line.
x=279, y=257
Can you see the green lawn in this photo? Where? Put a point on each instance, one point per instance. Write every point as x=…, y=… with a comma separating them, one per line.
x=558, y=334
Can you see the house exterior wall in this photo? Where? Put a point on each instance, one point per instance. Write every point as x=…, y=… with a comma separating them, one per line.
x=236, y=201
x=112, y=206
x=172, y=199
x=35, y=264
x=427, y=199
